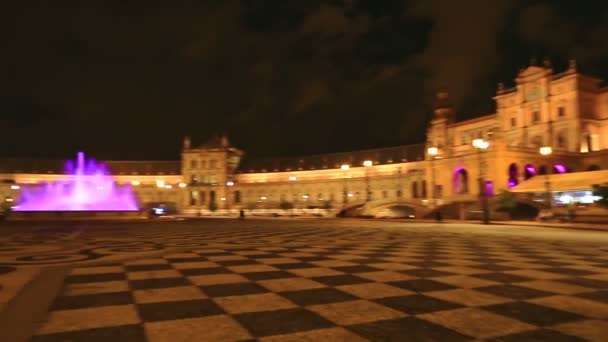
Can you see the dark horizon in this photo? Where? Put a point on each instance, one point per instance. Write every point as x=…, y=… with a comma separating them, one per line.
x=125, y=82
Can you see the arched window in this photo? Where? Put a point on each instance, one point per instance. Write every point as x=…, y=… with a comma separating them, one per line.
x=424, y=194
x=560, y=168
x=529, y=171
x=513, y=175
x=461, y=181
x=561, y=140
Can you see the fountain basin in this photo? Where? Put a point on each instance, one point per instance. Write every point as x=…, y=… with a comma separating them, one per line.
x=76, y=215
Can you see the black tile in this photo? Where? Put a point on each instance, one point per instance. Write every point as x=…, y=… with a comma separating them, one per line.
x=85, y=301
x=514, y=291
x=125, y=333
x=188, y=259
x=94, y=278
x=406, y=329
x=6, y=269
x=598, y=296
x=202, y=271
x=262, y=255
x=417, y=304
x=426, y=273
x=158, y=283
x=355, y=269
x=369, y=261
x=154, y=267
x=539, y=335
x=502, y=277
x=337, y=280
x=167, y=311
x=494, y=267
x=256, y=276
x=206, y=255
x=428, y=264
x=535, y=314
x=314, y=258
x=238, y=289
x=282, y=322
x=586, y=282
x=236, y=262
x=317, y=296
x=566, y=271
x=422, y=285
x=294, y=265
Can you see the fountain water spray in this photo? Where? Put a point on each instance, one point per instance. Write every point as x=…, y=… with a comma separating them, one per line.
x=88, y=186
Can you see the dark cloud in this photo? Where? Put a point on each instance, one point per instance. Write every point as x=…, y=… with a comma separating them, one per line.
x=127, y=79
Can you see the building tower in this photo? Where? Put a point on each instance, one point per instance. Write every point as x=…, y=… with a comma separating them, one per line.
x=443, y=111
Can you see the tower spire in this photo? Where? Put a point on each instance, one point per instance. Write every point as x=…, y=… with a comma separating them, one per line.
x=443, y=108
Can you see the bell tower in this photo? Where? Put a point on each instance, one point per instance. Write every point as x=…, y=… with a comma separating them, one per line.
x=443, y=115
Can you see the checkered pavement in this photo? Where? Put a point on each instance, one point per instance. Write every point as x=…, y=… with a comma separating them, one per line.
x=389, y=289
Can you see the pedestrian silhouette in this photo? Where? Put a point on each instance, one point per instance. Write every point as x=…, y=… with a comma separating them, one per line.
x=438, y=216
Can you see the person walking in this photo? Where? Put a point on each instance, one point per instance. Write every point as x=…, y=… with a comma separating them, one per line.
x=438, y=216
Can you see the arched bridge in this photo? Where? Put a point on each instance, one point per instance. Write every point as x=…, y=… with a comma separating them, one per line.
x=388, y=207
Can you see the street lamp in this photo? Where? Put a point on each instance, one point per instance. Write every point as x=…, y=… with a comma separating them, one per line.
x=547, y=151
x=367, y=164
x=482, y=145
x=433, y=152
x=345, y=168
x=292, y=180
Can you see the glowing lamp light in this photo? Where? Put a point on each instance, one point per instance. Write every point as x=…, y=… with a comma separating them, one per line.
x=481, y=144
x=560, y=168
x=566, y=199
x=368, y=163
x=292, y=178
x=531, y=170
x=160, y=184
x=433, y=151
x=168, y=186
x=135, y=183
x=305, y=196
x=9, y=200
x=263, y=198
x=182, y=185
x=350, y=195
x=223, y=198
x=230, y=183
x=345, y=167
x=15, y=187
x=546, y=150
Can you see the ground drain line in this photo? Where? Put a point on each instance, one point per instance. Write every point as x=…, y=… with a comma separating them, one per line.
x=24, y=314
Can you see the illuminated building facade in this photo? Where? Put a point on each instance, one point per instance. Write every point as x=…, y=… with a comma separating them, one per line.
x=566, y=111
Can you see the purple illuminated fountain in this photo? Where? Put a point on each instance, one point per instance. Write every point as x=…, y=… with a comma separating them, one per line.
x=88, y=186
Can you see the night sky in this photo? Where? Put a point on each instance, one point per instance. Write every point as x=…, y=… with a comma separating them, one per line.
x=128, y=79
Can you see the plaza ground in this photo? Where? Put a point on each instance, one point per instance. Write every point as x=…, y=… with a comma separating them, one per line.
x=301, y=280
